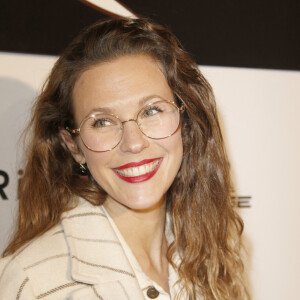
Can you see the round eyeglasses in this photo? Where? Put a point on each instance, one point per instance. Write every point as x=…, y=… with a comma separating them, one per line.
x=102, y=132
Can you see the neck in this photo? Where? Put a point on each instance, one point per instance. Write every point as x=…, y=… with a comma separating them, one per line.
x=142, y=228
x=144, y=232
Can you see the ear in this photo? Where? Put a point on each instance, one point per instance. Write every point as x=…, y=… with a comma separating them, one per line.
x=72, y=146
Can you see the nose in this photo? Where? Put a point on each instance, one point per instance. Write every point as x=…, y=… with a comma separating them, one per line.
x=133, y=140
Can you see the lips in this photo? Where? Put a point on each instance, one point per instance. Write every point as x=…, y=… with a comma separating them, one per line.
x=138, y=171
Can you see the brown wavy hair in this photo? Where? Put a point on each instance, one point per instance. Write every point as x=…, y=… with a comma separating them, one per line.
x=206, y=228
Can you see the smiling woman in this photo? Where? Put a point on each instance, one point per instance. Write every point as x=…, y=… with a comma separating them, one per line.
x=126, y=191
x=132, y=87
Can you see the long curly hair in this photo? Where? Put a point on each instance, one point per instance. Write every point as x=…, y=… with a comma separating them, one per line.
x=207, y=230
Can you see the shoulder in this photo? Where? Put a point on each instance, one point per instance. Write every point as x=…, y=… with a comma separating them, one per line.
x=49, y=244
x=13, y=280
x=43, y=266
x=24, y=271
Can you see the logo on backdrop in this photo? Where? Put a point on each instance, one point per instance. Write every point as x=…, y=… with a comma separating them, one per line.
x=3, y=184
x=242, y=201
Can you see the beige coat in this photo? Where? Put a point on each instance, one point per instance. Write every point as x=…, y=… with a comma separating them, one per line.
x=81, y=258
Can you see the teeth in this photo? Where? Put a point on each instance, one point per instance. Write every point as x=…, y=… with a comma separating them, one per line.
x=138, y=171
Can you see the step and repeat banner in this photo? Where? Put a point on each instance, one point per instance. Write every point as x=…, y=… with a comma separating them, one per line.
x=259, y=109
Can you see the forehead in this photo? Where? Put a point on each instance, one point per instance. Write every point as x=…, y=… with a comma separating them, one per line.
x=121, y=85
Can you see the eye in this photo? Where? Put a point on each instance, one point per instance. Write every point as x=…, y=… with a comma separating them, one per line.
x=151, y=111
x=103, y=122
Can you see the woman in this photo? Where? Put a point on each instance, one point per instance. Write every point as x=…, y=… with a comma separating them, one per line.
x=126, y=191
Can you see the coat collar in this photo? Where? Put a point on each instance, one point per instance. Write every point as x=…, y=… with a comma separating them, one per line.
x=97, y=257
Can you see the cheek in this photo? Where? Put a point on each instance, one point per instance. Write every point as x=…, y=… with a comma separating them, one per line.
x=178, y=151
x=98, y=165
x=97, y=162
x=92, y=158
x=175, y=143
x=174, y=147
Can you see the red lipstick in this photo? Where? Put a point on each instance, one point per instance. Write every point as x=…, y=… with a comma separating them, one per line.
x=140, y=178
x=136, y=164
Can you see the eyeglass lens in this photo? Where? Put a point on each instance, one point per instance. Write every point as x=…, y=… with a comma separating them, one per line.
x=102, y=132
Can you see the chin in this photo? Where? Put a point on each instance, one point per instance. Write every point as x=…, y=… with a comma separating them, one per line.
x=144, y=203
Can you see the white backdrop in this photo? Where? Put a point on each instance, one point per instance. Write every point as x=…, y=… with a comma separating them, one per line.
x=260, y=113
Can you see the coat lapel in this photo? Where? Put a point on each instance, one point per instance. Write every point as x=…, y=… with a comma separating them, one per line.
x=97, y=257
x=108, y=291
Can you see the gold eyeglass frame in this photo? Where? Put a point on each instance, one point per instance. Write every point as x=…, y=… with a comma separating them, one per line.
x=76, y=131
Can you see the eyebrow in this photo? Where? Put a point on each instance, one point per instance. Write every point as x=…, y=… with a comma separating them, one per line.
x=109, y=110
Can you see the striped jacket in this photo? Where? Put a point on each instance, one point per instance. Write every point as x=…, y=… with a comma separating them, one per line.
x=81, y=258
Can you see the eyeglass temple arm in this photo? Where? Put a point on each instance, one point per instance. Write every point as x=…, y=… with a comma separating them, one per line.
x=182, y=108
x=73, y=131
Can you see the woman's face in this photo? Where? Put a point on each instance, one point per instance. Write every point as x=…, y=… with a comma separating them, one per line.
x=122, y=86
